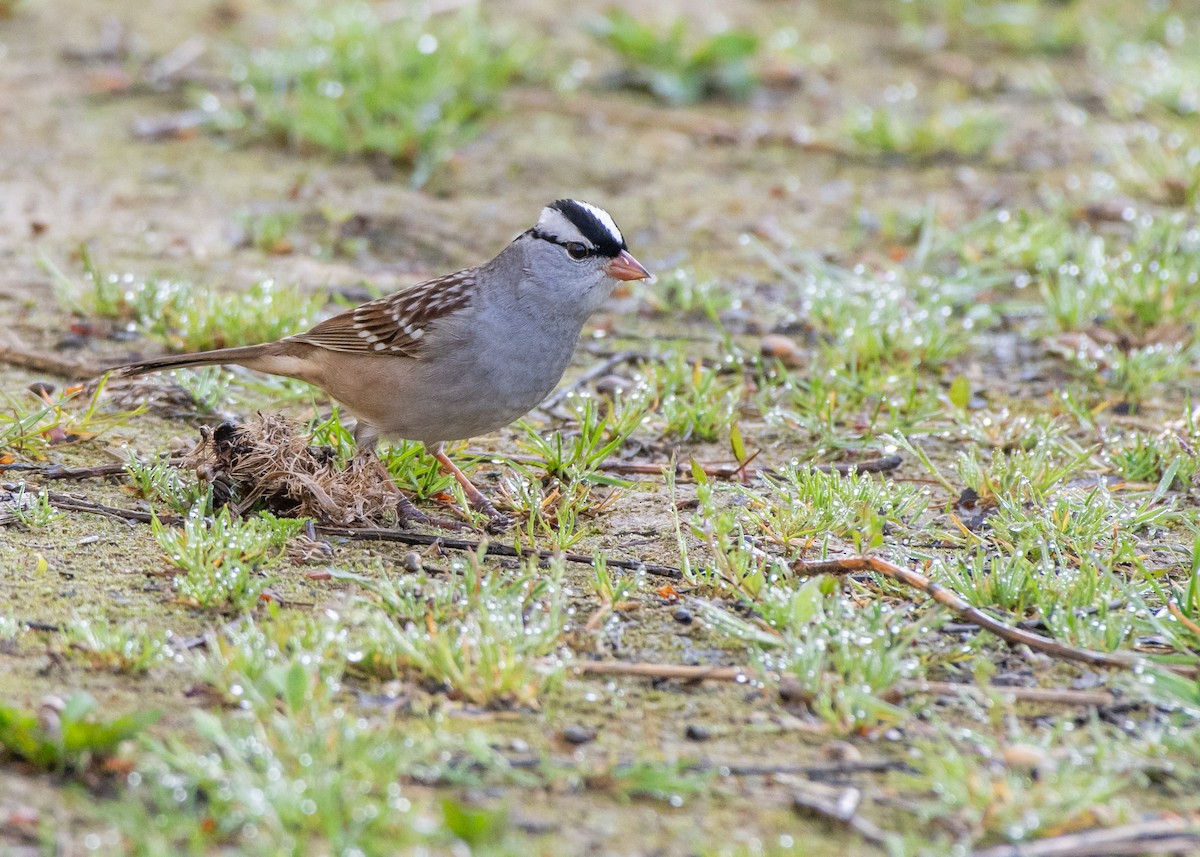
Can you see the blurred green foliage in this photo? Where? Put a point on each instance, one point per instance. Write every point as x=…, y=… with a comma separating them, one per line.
x=674, y=72
x=67, y=736
x=408, y=87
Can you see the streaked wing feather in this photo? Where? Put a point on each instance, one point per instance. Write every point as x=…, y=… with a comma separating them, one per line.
x=394, y=324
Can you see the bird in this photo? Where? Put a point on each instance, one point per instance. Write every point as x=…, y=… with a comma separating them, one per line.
x=456, y=356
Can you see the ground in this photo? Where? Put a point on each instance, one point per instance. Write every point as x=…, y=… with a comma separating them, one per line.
x=927, y=278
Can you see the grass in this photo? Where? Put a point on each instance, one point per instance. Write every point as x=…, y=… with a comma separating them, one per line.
x=163, y=482
x=907, y=314
x=125, y=649
x=31, y=424
x=32, y=513
x=1148, y=279
x=676, y=69
x=1012, y=787
x=185, y=316
x=694, y=402
x=67, y=736
x=889, y=132
x=271, y=232
x=1022, y=26
x=804, y=507
x=682, y=292
x=475, y=635
x=409, y=87
x=600, y=431
x=220, y=556
x=836, y=660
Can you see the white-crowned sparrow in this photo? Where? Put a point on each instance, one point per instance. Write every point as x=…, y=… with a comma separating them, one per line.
x=459, y=355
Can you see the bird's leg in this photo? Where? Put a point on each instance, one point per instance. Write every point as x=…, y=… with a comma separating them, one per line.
x=366, y=437
x=497, y=520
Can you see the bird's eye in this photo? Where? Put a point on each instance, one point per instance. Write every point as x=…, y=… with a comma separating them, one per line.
x=577, y=250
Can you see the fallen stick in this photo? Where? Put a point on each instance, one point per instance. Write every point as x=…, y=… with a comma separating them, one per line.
x=841, y=807
x=688, y=672
x=58, y=471
x=959, y=606
x=69, y=503
x=717, y=471
x=1160, y=836
x=1051, y=695
x=36, y=361
x=493, y=548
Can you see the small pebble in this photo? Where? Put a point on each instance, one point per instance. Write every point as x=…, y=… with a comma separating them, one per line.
x=790, y=690
x=1024, y=757
x=611, y=385
x=781, y=347
x=684, y=615
x=841, y=751
x=411, y=562
x=696, y=733
x=576, y=734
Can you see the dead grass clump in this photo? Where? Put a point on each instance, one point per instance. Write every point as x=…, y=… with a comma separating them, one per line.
x=268, y=462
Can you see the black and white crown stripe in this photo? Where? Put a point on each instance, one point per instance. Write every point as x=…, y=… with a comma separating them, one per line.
x=569, y=221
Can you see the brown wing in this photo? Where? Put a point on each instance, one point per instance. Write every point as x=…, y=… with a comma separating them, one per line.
x=394, y=324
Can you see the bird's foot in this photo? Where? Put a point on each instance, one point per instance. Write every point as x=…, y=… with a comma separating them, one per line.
x=410, y=514
x=498, y=522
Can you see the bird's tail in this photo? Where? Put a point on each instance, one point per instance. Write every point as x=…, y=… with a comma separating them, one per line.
x=248, y=355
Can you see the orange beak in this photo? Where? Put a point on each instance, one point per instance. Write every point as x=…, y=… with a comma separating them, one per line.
x=625, y=267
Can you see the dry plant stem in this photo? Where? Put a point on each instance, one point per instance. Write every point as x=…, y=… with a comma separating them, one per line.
x=955, y=602
x=816, y=772
x=689, y=672
x=1183, y=620
x=39, y=362
x=841, y=808
x=493, y=549
x=69, y=503
x=1059, y=696
x=717, y=471
x=1160, y=836
x=57, y=471
x=686, y=672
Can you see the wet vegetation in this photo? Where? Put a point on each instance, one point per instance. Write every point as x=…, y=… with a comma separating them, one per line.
x=869, y=527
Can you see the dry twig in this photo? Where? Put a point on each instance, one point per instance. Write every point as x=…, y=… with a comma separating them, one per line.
x=683, y=469
x=1160, y=836
x=839, y=805
x=57, y=471
x=493, y=548
x=959, y=606
x=37, y=361
x=688, y=672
